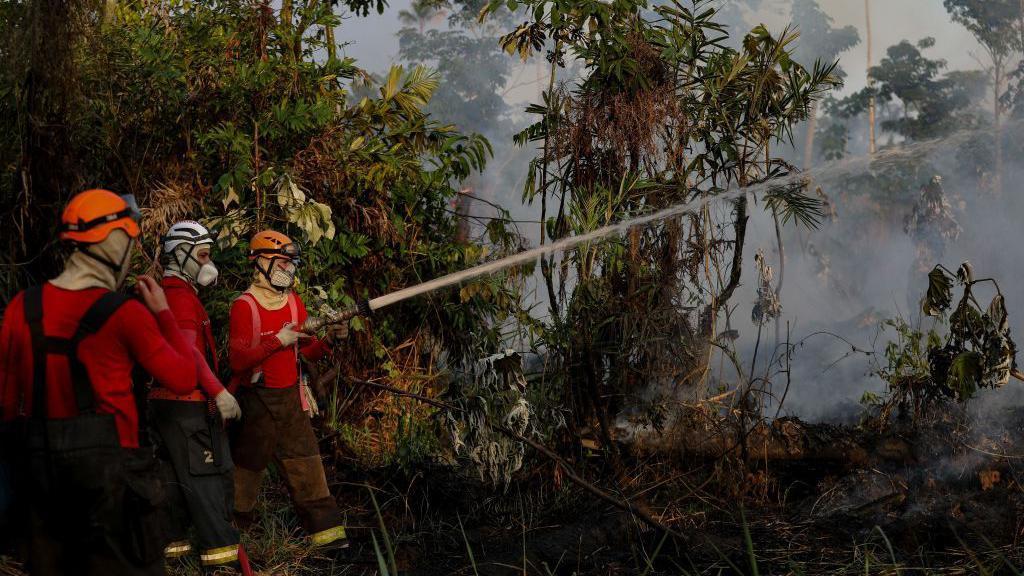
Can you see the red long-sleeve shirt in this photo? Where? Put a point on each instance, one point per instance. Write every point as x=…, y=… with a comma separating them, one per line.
x=194, y=324
x=131, y=335
x=278, y=364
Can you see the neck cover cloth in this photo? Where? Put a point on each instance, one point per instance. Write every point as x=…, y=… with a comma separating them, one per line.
x=83, y=271
x=269, y=297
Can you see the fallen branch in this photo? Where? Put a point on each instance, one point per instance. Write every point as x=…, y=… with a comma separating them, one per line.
x=620, y=503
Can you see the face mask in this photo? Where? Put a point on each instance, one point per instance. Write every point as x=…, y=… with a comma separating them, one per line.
x=207, y=275
x=184, y=262
x=282, y=278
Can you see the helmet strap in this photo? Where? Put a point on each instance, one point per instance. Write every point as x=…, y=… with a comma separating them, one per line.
x=266, y=273
x=186, y=256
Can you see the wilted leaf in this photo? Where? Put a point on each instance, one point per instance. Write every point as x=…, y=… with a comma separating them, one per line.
x=989, y=478
x=231, y=198
x=997, y=312
x=965, y=273
x=940, y=293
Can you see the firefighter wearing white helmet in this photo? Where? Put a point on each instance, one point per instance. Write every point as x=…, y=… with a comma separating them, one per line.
x=180, y=246
x=190, y=428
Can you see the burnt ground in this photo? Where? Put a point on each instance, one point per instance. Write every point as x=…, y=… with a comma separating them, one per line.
x=945, y=499
x=813, y=499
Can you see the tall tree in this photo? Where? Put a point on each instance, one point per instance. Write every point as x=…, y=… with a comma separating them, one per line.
x=423, y=14
x=998, y=25
x=819, y=41
x=473, y=70
x=928, y=101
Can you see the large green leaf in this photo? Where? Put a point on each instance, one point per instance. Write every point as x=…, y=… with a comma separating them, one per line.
x=965, y=374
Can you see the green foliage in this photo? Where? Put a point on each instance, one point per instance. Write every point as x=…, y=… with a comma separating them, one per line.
x=932, y=104
x=242, y=116
x=663, y=113
x=818, y=39
x=386, y=559
x=474, y=69
x=995, y=23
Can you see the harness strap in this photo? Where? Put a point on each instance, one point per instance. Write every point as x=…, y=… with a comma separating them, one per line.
x=293, y=309
x=93, y=320
x=257, y=328
x=43, y=346
x=34, y=318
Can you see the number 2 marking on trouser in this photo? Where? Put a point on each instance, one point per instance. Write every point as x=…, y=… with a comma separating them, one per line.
x=208, y=456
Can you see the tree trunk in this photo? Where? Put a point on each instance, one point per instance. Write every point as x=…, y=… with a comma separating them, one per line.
x=332, y=48
x=789, y=439
x=812, y=126
x=871, y=81
x=286, y=12
x=997, y=109
x=48, y=173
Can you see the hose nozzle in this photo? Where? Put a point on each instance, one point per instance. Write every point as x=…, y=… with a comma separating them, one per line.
x=361, y=308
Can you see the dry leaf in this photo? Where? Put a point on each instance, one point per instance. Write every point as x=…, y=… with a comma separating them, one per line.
x=989, y=478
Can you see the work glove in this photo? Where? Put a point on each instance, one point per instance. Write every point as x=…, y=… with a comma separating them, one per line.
x=227, y=406
x=288, y=335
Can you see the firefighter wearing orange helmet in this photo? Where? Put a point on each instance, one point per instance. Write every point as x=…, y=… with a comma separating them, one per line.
x=88, y=479
x=265, y=345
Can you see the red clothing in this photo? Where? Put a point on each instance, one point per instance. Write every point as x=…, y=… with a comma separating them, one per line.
x=278, y=364
x=132, y=335
x=194, y=324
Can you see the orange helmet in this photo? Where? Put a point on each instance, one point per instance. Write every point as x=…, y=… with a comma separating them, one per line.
x=92, y=215
x=271, y=244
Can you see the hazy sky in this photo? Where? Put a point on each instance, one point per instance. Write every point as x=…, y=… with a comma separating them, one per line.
x=375, y=46
x=893, y=21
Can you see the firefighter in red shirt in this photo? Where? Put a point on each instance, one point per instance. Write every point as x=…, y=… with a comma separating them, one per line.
x=264, y=347
x=92, y=489
x=189, y=428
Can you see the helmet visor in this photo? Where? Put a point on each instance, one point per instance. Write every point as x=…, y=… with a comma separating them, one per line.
x=133, y=208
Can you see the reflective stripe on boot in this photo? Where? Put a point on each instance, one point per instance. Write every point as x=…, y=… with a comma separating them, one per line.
x=222, y=555
x=177, y=549
x=329, y=536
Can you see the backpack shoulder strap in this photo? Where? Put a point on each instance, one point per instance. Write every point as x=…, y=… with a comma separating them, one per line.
x=257, y=327
x=256, y=324
x=92, y=321
x=293, y=307
x=33, y=303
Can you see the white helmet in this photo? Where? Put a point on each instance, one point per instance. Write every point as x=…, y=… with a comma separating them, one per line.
x=179, y=243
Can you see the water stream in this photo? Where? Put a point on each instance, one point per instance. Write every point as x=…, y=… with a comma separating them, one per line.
x=828, y=170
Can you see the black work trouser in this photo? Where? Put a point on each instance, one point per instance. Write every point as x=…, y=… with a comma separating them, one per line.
x=93, y=510
x=198, y=473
